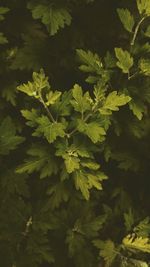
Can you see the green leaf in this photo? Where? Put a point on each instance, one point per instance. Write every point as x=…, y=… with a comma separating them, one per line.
x=51, y=130
x=38, y=247
x=143, y=7
x=139, y=129
x=77, y=149
x=126, y=18
x=93, y=130
x=8, y=138
x=3, y=11
x=72, y=163
x=136, y=263
x=129, y=220
x=75, y=242
x=143, y=228
x=91, y=225
x=81, y=182
x=58, y=193
x=84, y=181
x=125, y=61
x=107, y=251
x=110, y=60
x=53, y=18
x=40, y=81
x=63, y=106
x=91, y=63
x=28, y=89
x=90, y=164
x=83, y=151
x=52, y=97
x=126, y=160
x=32, y=164
x=28, y=57
x=113, y=102
x=81, y=103
x=137, y=243
x=95, y=179
x=9, y=93
x=144, y=65
x=147, y=32
x=41, y=160
x=138, y=108
x=3, y=39
x=31, y=117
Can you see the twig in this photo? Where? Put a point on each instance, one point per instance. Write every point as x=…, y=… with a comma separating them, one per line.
x=84, y=120
x=28, y=224
x=133, y=75
x=136, y=30
x=46, y=108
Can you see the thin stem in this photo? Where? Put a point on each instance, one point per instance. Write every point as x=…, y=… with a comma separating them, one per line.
x=84, y=120
x=46, y=108
x=72, y=132
x=82, y=115
x=28, y=224
x=87, y=117
x=136, y=30
x=133, y=75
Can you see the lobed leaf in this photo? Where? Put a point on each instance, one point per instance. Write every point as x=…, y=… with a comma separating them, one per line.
x=126, y=18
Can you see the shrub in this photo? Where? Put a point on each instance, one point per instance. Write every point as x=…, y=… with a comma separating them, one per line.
x=74, y=142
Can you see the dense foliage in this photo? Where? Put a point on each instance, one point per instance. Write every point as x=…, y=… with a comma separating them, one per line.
x=74, y=133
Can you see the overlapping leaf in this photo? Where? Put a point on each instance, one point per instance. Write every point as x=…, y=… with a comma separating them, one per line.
x=39, y=160
x=125, y=60
x=9, y=140
x=52, y=17
x=126, y=18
